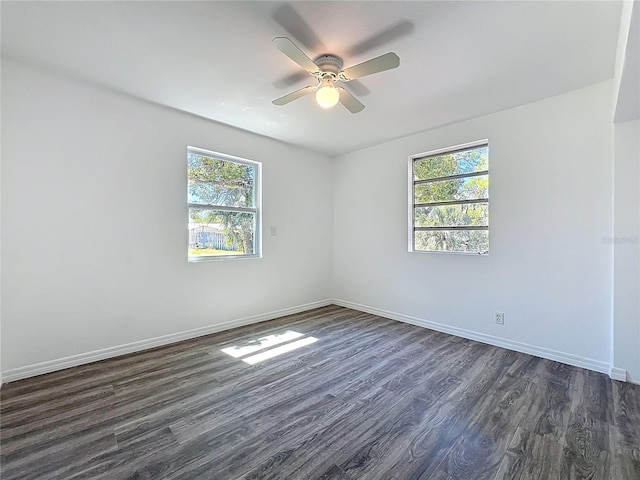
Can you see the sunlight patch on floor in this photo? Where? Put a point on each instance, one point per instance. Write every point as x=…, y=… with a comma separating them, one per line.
x=269, y=344
x=274, y=352
x=238, y=351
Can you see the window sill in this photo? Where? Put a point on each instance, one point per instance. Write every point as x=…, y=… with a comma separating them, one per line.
x=214, y=258
x=443, y=252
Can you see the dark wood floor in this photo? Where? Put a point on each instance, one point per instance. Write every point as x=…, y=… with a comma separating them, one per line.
x=370, y=399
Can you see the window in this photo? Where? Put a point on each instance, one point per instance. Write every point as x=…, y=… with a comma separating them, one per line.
x=449, y=204
x=224, y=206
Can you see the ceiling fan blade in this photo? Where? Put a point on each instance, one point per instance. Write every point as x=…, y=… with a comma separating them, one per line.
x=398, y=30
x=290, y=49
x=350, y=102
x=290, y=20
x=290, y=97
x=379, y=64
x=357, y=88
x=289, y=80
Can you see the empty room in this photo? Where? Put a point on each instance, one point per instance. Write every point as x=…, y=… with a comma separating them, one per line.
x=311, y=240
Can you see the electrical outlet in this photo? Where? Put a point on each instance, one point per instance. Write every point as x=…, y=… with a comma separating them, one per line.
x=274, y=231
x=500, y=318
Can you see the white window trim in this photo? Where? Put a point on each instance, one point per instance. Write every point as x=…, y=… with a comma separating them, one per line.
x=411, y=195
x=257, y=209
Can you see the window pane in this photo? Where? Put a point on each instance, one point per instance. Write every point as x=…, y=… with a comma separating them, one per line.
x=219, y=182
x=472, y=241
x=466, y=161
x=470, y=188
x=216, y=232
x=470, y=214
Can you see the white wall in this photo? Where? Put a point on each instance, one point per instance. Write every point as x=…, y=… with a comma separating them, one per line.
x=549, y=267
x=1, y=376
x=626, y=244
x=94, y=222
x=625, y=335
x=80, y=160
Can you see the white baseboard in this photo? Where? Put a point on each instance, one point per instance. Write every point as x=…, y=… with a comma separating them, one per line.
x=618, y=374
x=110, y=352
x=568, y=358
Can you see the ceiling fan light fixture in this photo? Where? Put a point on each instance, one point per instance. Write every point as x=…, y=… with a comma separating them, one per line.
x=327, y=69
x=327, y=96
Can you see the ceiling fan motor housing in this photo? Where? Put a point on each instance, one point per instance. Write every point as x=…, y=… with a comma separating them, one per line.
x=329, y=63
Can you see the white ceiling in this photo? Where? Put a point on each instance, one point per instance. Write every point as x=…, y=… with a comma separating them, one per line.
x=458, y=60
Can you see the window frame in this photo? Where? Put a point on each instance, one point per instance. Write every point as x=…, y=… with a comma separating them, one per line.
x=256, y=209
x=412, y=205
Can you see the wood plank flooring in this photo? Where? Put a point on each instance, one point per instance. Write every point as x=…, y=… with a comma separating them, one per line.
x=371, y=398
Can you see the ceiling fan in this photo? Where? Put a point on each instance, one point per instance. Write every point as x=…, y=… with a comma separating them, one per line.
x=327, y=69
